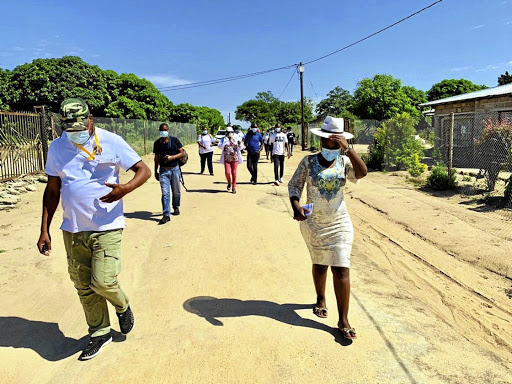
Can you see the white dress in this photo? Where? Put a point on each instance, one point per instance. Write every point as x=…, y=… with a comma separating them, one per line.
x=328, y=232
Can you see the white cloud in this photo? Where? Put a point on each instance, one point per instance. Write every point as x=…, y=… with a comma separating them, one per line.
x=489, y=67
x=166, y=80
x=460, y=69
x=18, y=49
x=478, y=26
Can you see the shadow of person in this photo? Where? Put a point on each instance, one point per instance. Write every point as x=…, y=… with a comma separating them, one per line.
x=206, y=191
x=211, y=308
x=44, y=338
x=142, y=215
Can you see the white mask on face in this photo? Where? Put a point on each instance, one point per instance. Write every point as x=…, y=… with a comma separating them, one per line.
x=330, y=154
x=230, y=135
x=164, y=133
x=79, y=137
x=278, y=130
x=205, y=132
x=254, y=129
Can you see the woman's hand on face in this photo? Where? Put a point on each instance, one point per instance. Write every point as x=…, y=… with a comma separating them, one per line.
x=341, y=140
x=299, y=214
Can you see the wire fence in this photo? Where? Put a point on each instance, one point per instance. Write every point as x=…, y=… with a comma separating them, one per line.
x=141, y=134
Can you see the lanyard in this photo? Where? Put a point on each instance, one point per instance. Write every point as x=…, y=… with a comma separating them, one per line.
x=96, y=150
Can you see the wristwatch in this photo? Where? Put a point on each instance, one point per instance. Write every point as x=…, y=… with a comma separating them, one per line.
x=350, y=146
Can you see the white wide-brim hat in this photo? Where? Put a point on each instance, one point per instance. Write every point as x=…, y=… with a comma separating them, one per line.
x=332, y=126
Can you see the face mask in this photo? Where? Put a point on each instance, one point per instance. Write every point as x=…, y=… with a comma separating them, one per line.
x=254, y=129
x=330, y=154
x=164, y=133
x=278, y=130
x=205, y=132
x=230, y=134
x=78, y=137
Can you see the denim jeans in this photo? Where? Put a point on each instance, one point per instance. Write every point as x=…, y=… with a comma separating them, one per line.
x=170, y=181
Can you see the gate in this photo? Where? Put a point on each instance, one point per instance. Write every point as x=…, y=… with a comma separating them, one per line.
x=22, y=148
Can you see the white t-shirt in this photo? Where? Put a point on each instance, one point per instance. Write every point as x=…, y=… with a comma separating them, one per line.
x=278, y=141
x=206, y=140
x=83, y=181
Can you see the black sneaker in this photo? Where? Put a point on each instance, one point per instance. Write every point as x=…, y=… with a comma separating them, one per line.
x=164, y=220
x=94, y=347
x=126, y=321
x=176, y=212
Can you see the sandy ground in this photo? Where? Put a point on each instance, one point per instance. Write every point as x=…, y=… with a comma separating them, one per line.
x=223, y=293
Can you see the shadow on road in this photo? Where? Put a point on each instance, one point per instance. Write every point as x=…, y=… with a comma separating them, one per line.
x=143, y=215
x=212, y=308
x=44, y=338
x=206, y=191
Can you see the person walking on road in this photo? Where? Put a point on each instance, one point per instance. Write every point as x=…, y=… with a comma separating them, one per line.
x=254, y=145
x=291, y=140
x=205, y=141
x=266, y=142
x=279, y=145
x=231, y=156
x=326, y=226
x=83, y=174
x=168, y=150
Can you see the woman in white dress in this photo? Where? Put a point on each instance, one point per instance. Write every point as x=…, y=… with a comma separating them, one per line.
x=327, y=228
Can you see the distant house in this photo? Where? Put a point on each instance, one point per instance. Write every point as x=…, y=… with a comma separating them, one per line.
x=470, y=111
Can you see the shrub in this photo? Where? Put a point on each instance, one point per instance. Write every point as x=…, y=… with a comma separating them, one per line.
x=508, y=192
x=375, y=157
x=415, y=166
x=438, y=179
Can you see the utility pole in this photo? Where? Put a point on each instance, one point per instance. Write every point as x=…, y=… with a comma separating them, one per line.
x=229, y=118
x=304, y=132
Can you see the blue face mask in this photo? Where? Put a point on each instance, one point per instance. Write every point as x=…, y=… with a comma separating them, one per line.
x=330, y=154
x=80, y=137
x=205, y=132
x=278, y=130
x=164, y=133
x=254, y=129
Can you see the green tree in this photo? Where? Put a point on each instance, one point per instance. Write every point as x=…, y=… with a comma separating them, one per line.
x=255, y=111
x=505, y=79
x=337, y=102
x=452, y=87
x=5, y=89
x=126, y=108
x=380, y=98
x=289, y=112
x=416, y=97
x=397, y=139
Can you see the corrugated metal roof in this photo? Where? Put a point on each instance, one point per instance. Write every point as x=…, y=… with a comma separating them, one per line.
x=489, y=92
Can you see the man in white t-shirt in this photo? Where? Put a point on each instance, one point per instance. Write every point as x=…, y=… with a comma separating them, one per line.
x=83, y=174
x=279, y=144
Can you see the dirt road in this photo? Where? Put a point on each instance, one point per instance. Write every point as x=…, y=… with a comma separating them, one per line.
x=223, y=293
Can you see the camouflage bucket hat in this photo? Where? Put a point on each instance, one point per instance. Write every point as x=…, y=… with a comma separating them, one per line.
x=74, y=114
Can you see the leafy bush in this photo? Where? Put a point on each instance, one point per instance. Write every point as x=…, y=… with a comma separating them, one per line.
x=415, y=166
x=375, y=157
x=508, y=192
x=438, y=179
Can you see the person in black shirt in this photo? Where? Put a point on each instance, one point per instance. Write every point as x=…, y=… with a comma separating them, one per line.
x=167, y=151
x=291, y=140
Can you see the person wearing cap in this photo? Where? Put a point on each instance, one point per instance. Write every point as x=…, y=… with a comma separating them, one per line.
x=230, y=156
x=327, y=228
x=83, y=174
x=279, y=148
x=168, y=150
x=254, y=145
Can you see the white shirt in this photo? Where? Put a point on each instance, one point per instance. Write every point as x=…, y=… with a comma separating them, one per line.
x=83, y=181
x=278, y=141
x=206, y=140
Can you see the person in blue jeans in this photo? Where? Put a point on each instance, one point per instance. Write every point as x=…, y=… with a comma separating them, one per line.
x=254, y=145
x=168, y=150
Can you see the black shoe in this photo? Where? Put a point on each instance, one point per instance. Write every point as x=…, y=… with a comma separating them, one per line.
x=176, y=212
x=126, y=321
x=211, y=174
x=164, y=219
x=94, y=347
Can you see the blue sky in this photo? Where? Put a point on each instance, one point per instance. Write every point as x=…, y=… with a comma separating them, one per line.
x=176, y=42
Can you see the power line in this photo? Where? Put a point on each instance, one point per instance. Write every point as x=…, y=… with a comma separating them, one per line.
x=244, y=76
x=223, y=80
x=310, y=82
x=375, y=33
x=288, y=83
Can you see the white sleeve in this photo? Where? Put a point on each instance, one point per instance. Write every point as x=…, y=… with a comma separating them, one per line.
x=51, y=168
x=127, y=156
